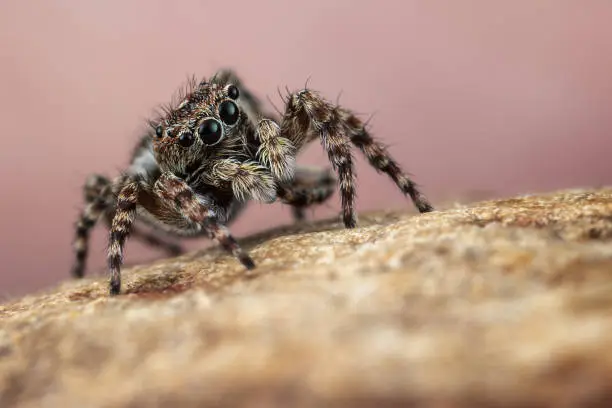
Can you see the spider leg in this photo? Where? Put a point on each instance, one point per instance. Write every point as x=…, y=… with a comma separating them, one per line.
x=248, y=179
x=308, y=115
x=97, y=193
x=275, y=152
x=310, y=186
x=381, y=160
x=172, y=188
x=121, y=227
x=299, y=213
x=98, y=196
x=94, y=186
x=167, y=189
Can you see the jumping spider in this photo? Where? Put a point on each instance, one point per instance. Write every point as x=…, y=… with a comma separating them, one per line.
x=207, y=155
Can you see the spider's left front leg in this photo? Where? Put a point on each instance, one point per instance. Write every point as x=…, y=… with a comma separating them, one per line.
x=308, y=116
x=275, y=152
x=256, y=179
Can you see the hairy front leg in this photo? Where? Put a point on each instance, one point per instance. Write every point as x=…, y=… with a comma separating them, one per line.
x=275, y=152
x=248, y=179
x=172, y=189
x=255, y=179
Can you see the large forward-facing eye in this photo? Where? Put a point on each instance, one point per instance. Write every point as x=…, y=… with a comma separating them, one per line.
x=228, y=112
x=210, y=131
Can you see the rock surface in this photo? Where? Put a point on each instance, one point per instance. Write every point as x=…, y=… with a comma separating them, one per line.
x=499, y=303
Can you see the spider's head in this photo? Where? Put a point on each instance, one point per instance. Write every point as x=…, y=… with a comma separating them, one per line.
x=205, y=122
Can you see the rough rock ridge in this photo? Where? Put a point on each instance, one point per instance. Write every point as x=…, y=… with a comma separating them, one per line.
x=504, y=303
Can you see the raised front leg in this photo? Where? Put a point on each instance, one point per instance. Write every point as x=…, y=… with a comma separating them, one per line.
x=248, y=179
x=275, y=152
x=256, y=179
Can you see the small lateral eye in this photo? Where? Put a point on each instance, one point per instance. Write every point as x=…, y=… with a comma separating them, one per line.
x=228, y=112
x=210, y=131
x=186, y=139
x=233, y=92
x=159, y=131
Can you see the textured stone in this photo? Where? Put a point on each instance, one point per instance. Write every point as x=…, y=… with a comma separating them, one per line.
x=499, y=303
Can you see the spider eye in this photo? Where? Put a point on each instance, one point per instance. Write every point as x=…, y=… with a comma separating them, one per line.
x=232, y=92
x=159, y=131
x=228, y=112
x=210, y=131
x=186, y=139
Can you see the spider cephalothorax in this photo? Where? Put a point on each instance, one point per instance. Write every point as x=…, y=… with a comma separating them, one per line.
x=214, y=150
x=207, y=121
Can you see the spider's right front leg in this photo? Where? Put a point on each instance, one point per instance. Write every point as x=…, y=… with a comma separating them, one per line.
x=169, y=189
x=172, y=189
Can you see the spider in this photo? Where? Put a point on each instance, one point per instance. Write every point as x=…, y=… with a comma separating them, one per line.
x=214, y=149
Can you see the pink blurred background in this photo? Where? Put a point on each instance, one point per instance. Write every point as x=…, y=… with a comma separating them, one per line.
x=475, y=97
